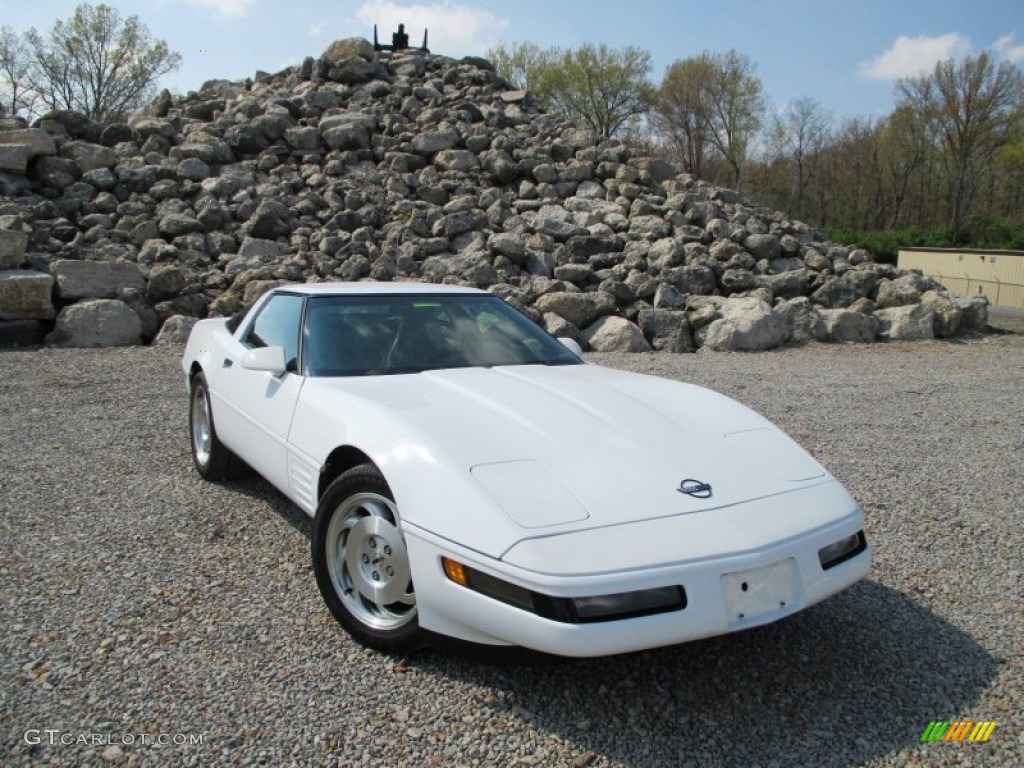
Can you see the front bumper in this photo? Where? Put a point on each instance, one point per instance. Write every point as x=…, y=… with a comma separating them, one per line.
x=783, y=578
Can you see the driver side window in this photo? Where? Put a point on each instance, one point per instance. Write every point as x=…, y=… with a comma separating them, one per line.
x=277, y=325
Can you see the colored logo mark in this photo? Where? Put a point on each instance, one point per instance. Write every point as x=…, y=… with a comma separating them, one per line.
x=958, y=730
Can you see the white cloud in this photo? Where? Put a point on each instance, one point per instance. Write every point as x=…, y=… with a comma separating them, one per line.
x=1006, y=48
x=909, y=56
x=316, y=29
x=455, y=30
x=225, y=7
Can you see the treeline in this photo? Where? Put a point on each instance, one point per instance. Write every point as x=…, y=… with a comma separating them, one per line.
x=95, y=63
x=946, y=167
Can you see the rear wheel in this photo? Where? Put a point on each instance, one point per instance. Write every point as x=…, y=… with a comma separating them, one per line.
x=361, y=563
x=212, y=459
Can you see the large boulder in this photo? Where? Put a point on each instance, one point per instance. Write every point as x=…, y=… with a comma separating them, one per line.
x=846, y=325
x=902, y=291
x=25, y=295
x=803, y=321
x=615, y=334
x=175, y=330
x=12, y=248
x=947, y=313
x=348, y=47
x=89, y=157
x=580, y=309
x=38, y=141
x=974, y=312
x=836, y=293
x=97, y=323
x=906, y=323
x=14, y=157
x=666, y=330
x=746, y=324
x=95, y=279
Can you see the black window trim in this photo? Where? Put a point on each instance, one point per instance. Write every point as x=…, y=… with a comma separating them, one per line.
x=251, y=317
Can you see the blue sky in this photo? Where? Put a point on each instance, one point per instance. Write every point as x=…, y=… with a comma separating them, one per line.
x=844, y=53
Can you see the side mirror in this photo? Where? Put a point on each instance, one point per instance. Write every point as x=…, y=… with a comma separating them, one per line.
x=269, y=359
x=571, y=344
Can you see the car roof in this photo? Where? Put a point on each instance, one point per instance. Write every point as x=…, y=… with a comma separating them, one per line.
x=371, y=288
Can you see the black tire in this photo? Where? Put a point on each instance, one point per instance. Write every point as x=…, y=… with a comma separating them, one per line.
x=213, y=461
x=361, y=564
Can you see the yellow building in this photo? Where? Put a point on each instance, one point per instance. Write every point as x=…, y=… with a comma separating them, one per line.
x=997, y=275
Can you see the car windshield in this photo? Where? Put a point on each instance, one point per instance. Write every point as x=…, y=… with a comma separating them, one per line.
x=379, y=334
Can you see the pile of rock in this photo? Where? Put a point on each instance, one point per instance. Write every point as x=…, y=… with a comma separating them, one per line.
x=355, y=166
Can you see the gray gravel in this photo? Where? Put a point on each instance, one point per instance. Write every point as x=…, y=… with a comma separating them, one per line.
x=138, y=600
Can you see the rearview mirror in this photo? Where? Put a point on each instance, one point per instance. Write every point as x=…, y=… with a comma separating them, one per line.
x=571, y=344
x=269, y=359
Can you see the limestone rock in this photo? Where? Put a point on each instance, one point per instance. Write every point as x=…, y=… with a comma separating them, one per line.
x=580, y=309
x=348, y=47
x=97, y=323
x=747, y=325
x=615, y=334
x=12, y=248
x=175, y=330
x=974, y=312
x=947, y=313
x=803, y=320
x=25, y=295
x=907, y=322
x=666, y=330
x=95, y=279
x=901, y=291
x=846, y=325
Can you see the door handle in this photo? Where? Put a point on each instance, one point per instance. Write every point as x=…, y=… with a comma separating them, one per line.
x=228, y=362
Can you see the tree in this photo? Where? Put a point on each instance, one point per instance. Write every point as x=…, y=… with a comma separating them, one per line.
x=798, y=135
x=15, y=64
x=682, y=112
x=97, y=64
x=972, y=106
x=599, y=87
x=522, y=63
x=713, y=101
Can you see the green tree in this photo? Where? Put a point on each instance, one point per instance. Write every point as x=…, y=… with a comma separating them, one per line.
x=97, y=64
x=972, y=106
x=522, y=63
x=682, y=114
x=713, y=101
x=599, y=87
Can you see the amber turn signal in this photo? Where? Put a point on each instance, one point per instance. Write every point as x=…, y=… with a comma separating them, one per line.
x=455, y=571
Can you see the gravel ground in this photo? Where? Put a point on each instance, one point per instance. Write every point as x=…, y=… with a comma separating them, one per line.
x=141, y=604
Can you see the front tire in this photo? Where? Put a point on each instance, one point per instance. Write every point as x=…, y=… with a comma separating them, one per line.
x=212, y=459
x=361, y=563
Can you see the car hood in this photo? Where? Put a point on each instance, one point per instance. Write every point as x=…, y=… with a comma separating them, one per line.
x=562, y=448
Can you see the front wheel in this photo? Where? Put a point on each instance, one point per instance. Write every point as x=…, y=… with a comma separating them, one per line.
x=361, y=563
x=212, y=459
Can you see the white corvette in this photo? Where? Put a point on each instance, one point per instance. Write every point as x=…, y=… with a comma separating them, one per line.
x=471, y=476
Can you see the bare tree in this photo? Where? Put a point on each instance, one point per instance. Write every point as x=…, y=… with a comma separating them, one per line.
x=681, y=113
x=713, y=101
x=15, y=65
x=798, y=135
x=97, y=64
x=972, y=105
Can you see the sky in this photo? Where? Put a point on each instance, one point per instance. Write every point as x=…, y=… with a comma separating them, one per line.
x=846, y=54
